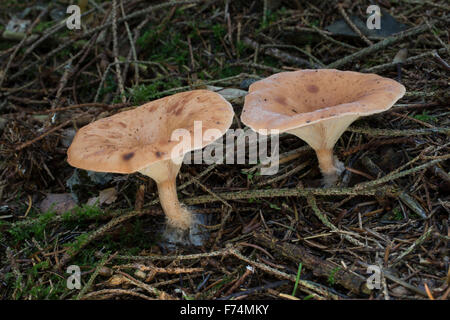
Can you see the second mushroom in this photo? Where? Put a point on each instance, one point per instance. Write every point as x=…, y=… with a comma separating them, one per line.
x=140, y=140
x=317, y=106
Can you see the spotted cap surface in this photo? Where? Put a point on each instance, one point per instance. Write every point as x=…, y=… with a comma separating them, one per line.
x=132, y=140
x=289, y=100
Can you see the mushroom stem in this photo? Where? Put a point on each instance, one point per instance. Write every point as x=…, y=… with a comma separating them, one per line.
x=329, y=165
x=177, y=216
x=326, y=160
x=322, y=137
x=165, y=174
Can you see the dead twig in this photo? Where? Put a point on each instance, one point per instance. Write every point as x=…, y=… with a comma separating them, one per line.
x=18, y=46
x=307, y=286
x=352, y=25
x=116, y=52
x=323, y=218
x=416, y=243
x=29, y=143
x=109, y=293
x=379, y=45
x=386, y=66
x=319, y=267
x=274, y=52
x=403, y=196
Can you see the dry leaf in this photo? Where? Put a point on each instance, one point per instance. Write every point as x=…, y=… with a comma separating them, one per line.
x=106, y=196
x=117, y=280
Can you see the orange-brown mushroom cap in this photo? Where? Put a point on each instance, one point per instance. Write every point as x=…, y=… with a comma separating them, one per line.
x=290, y=100
x=132, y=140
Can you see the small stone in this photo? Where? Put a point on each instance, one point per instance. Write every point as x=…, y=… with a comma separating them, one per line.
x=105, y=272
x=100, y=177
x=400, y=291
x=58, y=203
x=67, y=137
x=245, y=84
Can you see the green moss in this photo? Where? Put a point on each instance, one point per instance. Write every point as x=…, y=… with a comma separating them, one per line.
x=172, y=49
x=274, y=206
x=82, y=213
x=271, y=17
x=19, y=233
x=64, y=53
x=77, y=244
x=314, y=23
x=227, y=71
x=219, y=31
x=425, y=117
x=272, y=62
x=44, y=25
x=397, y=214
x=110, y=85
x=37, y=283
x=240, y=47
x=5, y=44
x=148, y=37
x=143, y=93
x=331, y=279
x=43, y=265
x=166, y=47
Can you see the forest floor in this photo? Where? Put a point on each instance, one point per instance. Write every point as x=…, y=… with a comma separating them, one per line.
x=267, y=237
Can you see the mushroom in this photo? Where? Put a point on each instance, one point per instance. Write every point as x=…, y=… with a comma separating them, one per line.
x=317, y=106
x=141, y=140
